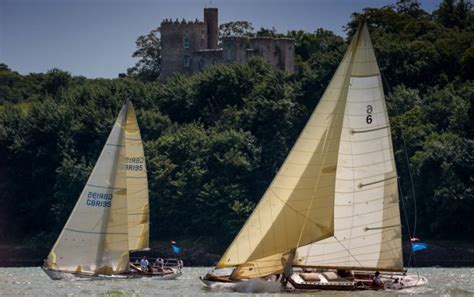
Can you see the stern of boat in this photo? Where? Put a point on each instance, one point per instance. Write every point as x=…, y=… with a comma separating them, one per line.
x=401, y=282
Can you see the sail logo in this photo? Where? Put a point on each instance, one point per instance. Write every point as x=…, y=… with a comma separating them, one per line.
x=99, y=199
x=134, y=164
x=368, y=119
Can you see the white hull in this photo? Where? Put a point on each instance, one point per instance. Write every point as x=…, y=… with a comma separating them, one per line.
x=405, y=282
x=324, y=281
x=61, y=275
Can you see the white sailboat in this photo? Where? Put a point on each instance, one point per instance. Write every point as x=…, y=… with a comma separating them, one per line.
x=111, y=216
x=334, y=204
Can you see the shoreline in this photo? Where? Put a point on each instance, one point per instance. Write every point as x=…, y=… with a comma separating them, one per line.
x=446, y=254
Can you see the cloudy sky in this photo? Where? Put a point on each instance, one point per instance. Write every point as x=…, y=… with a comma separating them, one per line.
x=96, y=38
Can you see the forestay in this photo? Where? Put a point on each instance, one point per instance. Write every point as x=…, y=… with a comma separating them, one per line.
x=95, y=237
x=367, y=231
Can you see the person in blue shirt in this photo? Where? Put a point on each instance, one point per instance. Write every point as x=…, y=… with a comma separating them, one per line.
x=144, y=264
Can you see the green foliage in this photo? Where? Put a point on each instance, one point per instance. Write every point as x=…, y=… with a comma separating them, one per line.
x=445, y=165
x=454, y=14
x=148, y=52
x=201, y=174
x=415, y=48
x=437, y=137
x=215, y=140
x=236, y=28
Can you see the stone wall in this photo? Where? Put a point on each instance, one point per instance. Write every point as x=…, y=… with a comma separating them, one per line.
x=279, y=52
x=206, y=58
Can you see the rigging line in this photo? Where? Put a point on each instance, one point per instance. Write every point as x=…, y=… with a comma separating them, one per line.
x=296, y=211
x=407, y=160
x=348, y=251
x=412, y=254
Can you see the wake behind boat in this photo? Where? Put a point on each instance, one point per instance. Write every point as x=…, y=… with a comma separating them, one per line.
x=111, y=216
x=330, y=219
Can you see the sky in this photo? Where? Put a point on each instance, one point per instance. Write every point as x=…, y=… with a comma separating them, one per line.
x=96, y=38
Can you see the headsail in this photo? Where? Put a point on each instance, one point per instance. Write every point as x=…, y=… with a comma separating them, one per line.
x=137, y=184
x=367, y=231
x=298, y=207
x=95, y=237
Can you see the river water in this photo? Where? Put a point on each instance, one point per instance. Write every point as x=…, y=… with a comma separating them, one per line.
x=32, y=281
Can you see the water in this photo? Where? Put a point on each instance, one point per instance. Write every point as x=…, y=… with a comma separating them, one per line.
x=32, y=281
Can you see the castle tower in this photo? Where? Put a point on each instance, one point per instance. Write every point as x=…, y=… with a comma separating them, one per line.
x=179, y=41
x=210, y=18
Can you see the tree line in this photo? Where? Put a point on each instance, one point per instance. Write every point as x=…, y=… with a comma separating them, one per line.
x=214, y=140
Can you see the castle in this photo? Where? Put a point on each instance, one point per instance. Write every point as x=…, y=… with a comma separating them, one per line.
x=190, y=46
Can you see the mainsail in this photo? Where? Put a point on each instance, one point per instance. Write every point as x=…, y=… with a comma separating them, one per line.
x=137, y=185
x=367, y=231
x=95, y=237
x=335, y=198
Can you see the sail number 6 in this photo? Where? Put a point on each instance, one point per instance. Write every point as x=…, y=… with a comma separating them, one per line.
x=368, y=119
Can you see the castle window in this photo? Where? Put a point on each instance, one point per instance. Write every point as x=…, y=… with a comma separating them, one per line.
x=186, y=41
x=214, y=61
x=202, y=42
x=187, y=61
x=201, y=64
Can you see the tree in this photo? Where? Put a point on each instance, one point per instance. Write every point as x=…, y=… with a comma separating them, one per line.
x=467, y=63
x=236, y=29
x=149, y=54
x=454, y=13
x=442, y=170
x=55, y=81
x=264, y=32
x=411, y=7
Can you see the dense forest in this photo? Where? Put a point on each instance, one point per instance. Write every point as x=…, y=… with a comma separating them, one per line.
x=214, y=140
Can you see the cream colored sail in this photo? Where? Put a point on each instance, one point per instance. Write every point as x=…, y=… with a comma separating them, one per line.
x=367, y=231
x=137, y=185
x=298, y=207
x=95, y=237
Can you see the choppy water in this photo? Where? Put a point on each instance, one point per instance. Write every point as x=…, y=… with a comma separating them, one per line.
x=32, y=281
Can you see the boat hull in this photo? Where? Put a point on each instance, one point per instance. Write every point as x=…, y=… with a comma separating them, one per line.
x=297, y=284
x=63, y=275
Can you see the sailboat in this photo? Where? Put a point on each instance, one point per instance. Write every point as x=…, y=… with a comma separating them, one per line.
x=111, y=216
x=330, y=218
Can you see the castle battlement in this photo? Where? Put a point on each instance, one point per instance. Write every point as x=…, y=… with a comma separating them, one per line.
x=180, y=24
